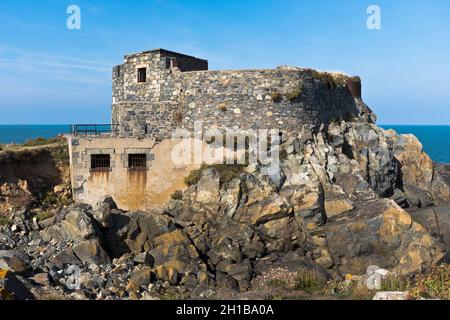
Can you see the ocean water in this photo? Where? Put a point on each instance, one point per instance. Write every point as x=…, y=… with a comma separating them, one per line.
x=21, y=133
x=435, y=139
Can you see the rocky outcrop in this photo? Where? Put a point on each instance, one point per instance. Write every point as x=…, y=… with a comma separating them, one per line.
x=346, y=197
x=381, y=233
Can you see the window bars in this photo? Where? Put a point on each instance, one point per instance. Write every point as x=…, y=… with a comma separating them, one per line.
x=100, y=162
x=137, y=162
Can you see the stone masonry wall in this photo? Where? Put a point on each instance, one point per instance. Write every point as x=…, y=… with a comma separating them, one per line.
x=283, y=98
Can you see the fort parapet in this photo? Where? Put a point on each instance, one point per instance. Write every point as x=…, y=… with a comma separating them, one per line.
x=156, y=91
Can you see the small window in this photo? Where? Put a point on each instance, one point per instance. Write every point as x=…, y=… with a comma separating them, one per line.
x=137, y=162
x=100, y=162
x=142, y=74
x=118, y=71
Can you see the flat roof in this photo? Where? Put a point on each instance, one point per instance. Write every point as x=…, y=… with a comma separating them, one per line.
x=162, y=51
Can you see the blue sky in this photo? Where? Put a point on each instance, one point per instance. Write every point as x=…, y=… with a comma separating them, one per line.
x=50, y=74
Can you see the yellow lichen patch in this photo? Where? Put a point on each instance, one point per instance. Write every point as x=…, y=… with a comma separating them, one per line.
x=356, y=227
x=395, y=219
x=3, y=273
x=337, y=206
x=173, y=238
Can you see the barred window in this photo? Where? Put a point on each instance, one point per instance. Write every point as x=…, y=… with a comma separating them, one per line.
x=137, y=162
x=142, y=74
x=100, y=162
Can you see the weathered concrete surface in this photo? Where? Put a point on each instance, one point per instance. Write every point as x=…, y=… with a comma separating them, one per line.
x=130, y=189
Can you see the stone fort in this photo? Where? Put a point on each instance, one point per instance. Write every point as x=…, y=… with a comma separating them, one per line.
x=155, y=92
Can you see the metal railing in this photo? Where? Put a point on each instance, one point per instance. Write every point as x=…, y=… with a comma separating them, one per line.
x=93, y=129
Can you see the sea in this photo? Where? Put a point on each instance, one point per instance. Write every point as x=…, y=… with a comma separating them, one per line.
x=435, y=139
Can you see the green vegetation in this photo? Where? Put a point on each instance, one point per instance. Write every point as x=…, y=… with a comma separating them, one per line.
x=348, y=289
x=227, y=173
x=178, y=117
x=276, y=97
x=332, y=80
x=396, y=283
x=308, y=281
x=434, y=284
x=60, y=155
x=3, y=221
x=32, y=149
x=40, y=141
x=294, y=94
x=50, y=199
x=177, y=195
x=44, y=215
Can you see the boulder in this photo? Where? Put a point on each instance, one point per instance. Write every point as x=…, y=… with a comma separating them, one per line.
x=15, y=261
x=42, y=279
x=381, y=233
x=436, y=220
x=208, y=187
x=169, y=274
x=175, y=251
x=144, y=258
x=440, y=187
x=102, y=211
x=75, y=223
x=91, y=252
x=135, y=231
x=337, y=204
x=416, y=165
x=142, y=277
x=15, y=195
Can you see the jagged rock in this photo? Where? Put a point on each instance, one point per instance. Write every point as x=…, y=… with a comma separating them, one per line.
x=417, y=166
x=75, y=224
x=91, y=251
x=418, y=197
x=42, y=279
x=18, y=262
x=381, y=233
x=65, y=257
x=102, y=212
x=142, y=277
x=208, y=187
x=336, y=204
x=144, y=258
x=12, y=288
x=436, y=220
x=175, y=250
x=15, y=195
x=168, y=274
x=241, y=272
x=135, y=231
x=266, y=210
x=440, y=187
